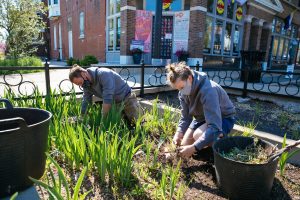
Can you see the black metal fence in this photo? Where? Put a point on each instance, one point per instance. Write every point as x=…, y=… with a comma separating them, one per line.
x=146, y=76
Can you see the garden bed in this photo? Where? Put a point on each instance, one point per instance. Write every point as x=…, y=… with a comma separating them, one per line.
x=118, y=163
x=261, y=115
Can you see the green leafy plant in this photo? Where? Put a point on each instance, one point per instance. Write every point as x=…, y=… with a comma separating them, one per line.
x=54, y=186
x=285, y=156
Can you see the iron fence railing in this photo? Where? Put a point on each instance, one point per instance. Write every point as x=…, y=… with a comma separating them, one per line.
x=147, y=76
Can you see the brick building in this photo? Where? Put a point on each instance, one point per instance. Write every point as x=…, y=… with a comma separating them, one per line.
x=213, y=31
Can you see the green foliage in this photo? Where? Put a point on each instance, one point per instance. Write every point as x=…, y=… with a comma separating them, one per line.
x=22, y=22
x=86, y=61
x=54, y=186
x=285, y=156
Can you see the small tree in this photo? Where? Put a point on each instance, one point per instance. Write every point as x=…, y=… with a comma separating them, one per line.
x=21, y=22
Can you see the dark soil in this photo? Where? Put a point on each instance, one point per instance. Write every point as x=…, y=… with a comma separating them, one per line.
x=266, y=116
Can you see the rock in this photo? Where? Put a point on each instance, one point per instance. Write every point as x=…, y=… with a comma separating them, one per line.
x=292, y=107
x=242, y=100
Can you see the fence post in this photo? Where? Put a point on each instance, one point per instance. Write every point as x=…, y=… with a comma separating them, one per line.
x=142, y=78
x=246, y=75
x=47, y=78
x=197, y=66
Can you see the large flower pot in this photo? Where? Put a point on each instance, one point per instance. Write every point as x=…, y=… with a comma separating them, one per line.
x=23, y=143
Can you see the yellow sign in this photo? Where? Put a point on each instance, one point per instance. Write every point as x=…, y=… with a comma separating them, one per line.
x=166, y=5
x=220, y=7
x=239, y=13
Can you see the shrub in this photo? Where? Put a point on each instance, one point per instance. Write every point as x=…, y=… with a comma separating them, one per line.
x=88, y=60
x=20, y=62
x=70, y=61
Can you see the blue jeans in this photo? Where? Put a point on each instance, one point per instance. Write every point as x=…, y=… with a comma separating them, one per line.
x=227, y=125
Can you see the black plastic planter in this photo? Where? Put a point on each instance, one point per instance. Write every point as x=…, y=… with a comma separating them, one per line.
x=239, y=180
x=23, y=143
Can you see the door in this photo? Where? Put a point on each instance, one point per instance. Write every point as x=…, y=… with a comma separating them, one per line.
x=60, y=42
x=166, y=37
x=70, y=37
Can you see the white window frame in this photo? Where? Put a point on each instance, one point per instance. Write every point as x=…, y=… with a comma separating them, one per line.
x=81, y=25
x=114, y=18
x=54, y=38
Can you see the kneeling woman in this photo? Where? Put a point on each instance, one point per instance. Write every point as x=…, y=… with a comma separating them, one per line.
x=207, y=113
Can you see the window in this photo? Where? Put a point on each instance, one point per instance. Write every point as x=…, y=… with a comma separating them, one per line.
x=139, y=4
x=236, y=40
x=54, y=38
x=81, y=25
x=275, y=46
x=227, y=38
x=49, y=2
x=113, y=25
x=55, y=1
x=224, y=24
x=118, y=33
x=207, y=36
x=210, y=6
x=282, y=39
x=218, y=36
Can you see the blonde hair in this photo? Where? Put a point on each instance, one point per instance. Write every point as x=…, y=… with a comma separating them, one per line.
x=178, y=70
x=75, y=72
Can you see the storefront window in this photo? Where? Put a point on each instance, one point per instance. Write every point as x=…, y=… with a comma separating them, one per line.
x=282, y=39
x=111, y=35
x=207, y=36
x=278, y=26
x=280, y=48
x=210, y=6
x=239, y=13
x=223, y=27
x=275, y=46
x=227, y=38
x=230, y=9
x=111, y=7
x=220, y=8
x=114, y=25
x=118, y=33
x=236, y=40
x=285, y=49
x=218, y=36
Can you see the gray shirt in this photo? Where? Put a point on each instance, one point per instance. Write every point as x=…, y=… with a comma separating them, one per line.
x=106, y=84
x=207, y=102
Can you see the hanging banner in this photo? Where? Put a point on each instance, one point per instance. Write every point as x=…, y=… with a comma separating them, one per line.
x=239, y=13
x=181, y=30
x=143, y=28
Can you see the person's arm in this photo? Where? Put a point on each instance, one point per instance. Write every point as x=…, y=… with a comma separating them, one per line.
x=213, y=118
x=185, y=119
x=86, y=100
x=108, y=86
x=105, y=108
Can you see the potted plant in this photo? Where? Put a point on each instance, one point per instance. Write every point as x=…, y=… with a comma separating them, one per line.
x=182, y=55
x=136, y=55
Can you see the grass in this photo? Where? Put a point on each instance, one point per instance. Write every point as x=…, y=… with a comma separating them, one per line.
x=21, y=62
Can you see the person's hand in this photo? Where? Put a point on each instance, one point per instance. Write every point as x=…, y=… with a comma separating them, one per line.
x=177, y=138
x=187, y=151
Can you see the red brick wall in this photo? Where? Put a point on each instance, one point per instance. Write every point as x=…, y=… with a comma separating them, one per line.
x=196, y=29
x=94, y=39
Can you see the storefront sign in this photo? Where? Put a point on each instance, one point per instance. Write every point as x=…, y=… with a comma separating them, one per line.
x=239, y=13
x=220, y=7
x=143, y=28
x=137, y=44
x=181, y=30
